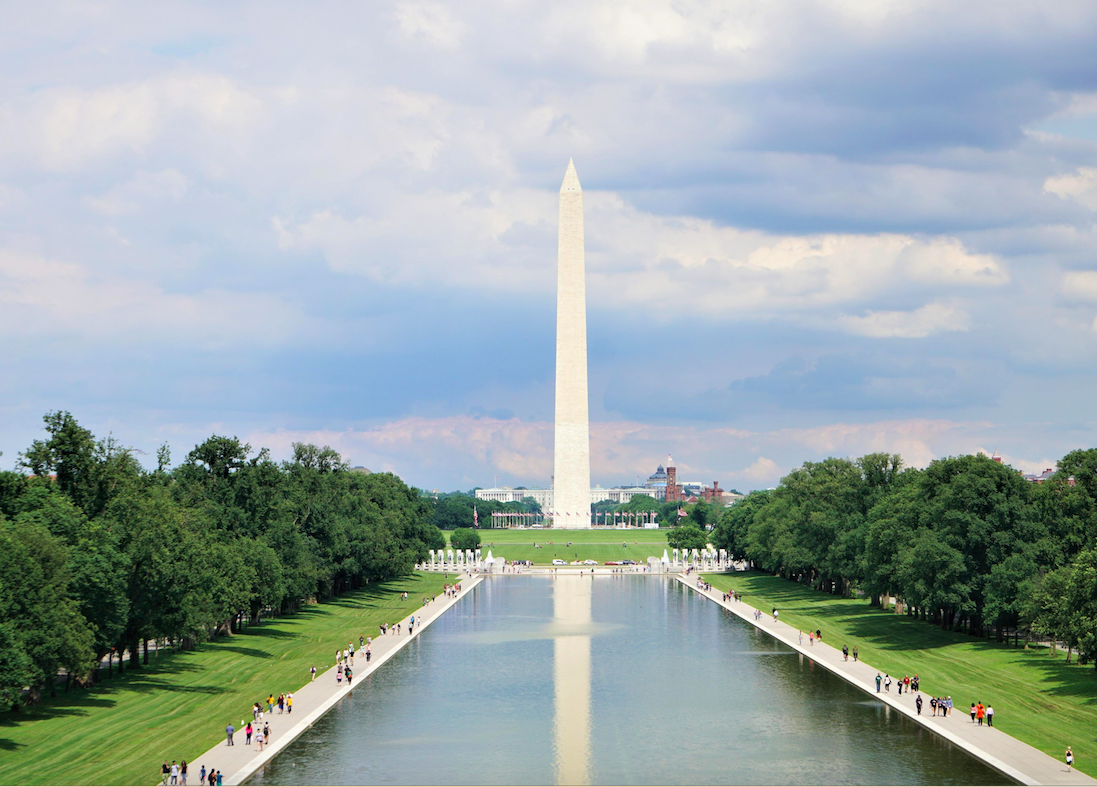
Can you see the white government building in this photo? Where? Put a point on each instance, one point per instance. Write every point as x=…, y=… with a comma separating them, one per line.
x=543, y=497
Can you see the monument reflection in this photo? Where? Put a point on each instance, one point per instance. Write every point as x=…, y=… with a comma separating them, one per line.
x=571, y=605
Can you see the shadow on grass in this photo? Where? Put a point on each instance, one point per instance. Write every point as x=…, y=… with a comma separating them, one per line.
x=156, y=675
x=6, y=745
x=887, y=631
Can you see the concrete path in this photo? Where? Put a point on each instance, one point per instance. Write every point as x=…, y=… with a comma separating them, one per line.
x=1004, y=753
x=315, y=698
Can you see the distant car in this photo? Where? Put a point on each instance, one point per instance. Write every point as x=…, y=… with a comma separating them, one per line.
x=577, y=562
x=589, y=562
x=559, y=562
x=612, y=563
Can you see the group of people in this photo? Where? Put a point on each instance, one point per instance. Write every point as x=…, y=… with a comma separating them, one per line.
x=907, y=683
x=980, y=712
x=176, y=773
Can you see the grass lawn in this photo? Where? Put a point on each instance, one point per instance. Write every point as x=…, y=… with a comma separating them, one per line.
x=601, y=545
x=177, y=707
x=1037, y=697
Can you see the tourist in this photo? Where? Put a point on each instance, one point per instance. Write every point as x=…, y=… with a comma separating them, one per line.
x=165, y=771
x=202, y=775
x=212, y=777
x=266, y=733
x=918, y=704
x=281, y=703
x=845, y=653
x=259, y=740
x=855, y=653
x=339, y=675
x=312, y=672
x=367, y=653
x=800, y=637
x=218, y=782
x=980, y=713
x=914, y=683
x=174, y=773
x=289, y=703
x=270, y=703
x=350, y=675
x=818, y=635
x=183, y=773
x=361, y=642
x=229, y=730
x=887, y=683
x=1070, y=759
x=247, y=734
x=879, y=680
x=973, y=713
x=933, y=705
x=906, y=683
x=811, y=637
x=948, y=705
x=990, y=715
x=899, y=687
x=775, y=614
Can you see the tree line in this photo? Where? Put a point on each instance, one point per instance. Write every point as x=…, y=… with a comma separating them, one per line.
x=99, y=556
x=966, y=543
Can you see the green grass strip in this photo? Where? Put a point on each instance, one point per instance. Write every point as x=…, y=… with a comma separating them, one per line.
x=177, y=707
x=1037, y=697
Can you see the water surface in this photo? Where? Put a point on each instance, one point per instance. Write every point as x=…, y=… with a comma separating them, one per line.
x=616, y=680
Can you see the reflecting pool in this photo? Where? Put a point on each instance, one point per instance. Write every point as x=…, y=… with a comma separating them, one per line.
x=616, y=680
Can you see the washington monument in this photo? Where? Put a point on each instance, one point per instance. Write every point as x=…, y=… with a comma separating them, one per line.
x=571, y=459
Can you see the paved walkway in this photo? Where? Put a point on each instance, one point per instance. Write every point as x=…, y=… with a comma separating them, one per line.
x=315, y=698
x=1000, y=751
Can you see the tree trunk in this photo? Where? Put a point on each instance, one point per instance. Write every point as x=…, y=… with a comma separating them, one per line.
x=145, y=645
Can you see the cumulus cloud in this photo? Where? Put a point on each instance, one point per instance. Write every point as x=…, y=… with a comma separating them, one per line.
x=1080, y=185
x=917, y=324
x=520, y=452
x=42, y=296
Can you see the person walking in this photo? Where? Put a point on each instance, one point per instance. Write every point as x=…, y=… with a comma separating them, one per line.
x=933, y=705
x=212, y=779
x=289, y=702
x=229, y=730
x=990, y=715
x=174, y=773
x=879, y=680
x=202, y=775
x=312, y=671
x=350, y=675
x=845, y=653
x=1070, y=759
x=906, y=683
x=218, y=782
x=918, y=704
x=368, y=652
x=980, y=713
x=183, y=773
x=259, y=740
x=811, y=637
x=855, y=653
x=973, y=713
x=887, y=683
x=165, y=772
x=248, y=729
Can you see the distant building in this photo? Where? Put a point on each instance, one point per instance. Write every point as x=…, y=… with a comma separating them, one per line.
x=543, y=497
x=360, y=469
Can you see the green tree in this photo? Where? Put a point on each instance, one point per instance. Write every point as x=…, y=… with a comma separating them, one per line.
x=687, y=537
x=465, y=538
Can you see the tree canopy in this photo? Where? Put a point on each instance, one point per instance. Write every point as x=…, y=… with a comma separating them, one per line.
x=99, y=555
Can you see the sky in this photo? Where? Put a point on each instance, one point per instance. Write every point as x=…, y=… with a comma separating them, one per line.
x=814, y=228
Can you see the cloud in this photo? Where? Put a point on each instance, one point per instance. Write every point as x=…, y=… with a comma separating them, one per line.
x=67, y=128
x=520, y=452
x=144, y=187
x=1080, y=185
x=46, y=297
x=1080, y=285
x=929, y=319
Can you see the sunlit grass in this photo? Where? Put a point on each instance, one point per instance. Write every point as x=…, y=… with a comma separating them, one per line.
x=177, y=707
x=1037, y=697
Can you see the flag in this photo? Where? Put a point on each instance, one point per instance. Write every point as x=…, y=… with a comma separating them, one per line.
x=475, y=518
x=681, y=513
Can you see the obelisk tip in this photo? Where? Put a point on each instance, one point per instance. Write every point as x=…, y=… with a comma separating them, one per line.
x=571, y=179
